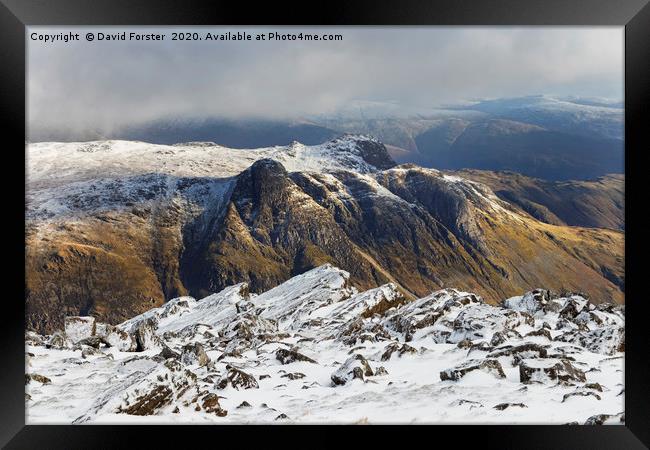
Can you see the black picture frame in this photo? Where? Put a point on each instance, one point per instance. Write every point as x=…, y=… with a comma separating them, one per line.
x=15, y=15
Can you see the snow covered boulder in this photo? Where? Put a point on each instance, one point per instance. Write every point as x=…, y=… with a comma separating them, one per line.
x=146, y=337
x=530, y=302
x=520, y=352
x=607, y=340
x=545, y=370
x=58, y=340
x=401, y=349
x=194, y=354
x=355, y=367
x=78, y=328
x=288, y=356
x=121, y=340
x=490, y=366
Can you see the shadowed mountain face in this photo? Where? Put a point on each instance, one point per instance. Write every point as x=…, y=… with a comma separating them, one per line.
x=530, y=150
x=205, y=221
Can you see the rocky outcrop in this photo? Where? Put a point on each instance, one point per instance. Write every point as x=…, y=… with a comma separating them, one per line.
x=309, y=348
x=490, y=366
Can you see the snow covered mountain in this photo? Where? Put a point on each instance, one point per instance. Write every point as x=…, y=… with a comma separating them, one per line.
x=115, y=228
x=315, y=349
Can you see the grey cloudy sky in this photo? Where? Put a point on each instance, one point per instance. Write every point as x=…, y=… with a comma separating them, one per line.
x=105, y=85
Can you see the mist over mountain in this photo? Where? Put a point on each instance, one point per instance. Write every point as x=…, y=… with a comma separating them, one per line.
x=553, y=138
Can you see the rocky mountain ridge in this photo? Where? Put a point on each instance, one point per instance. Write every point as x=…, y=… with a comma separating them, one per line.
x=114, y=228
x=315, y=349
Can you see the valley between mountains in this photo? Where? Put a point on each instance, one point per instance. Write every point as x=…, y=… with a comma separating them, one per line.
x=115, y=228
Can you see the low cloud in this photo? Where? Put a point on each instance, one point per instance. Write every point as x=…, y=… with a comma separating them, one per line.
x=104, y=86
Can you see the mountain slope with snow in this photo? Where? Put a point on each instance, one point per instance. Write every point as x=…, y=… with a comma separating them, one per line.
x=316, y=350
x=114, y=228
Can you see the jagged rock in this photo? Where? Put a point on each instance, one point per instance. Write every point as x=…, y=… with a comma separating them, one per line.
x=167, y=353
x=58, y=340
x=238, y=379
x=288, y=356
x=607, y=340
x=580, y=394
x=465, y=343
x=146, y=337
x=114, y=337
x=282, y=416
x=194, y=354
x=244, y=404
x=545, y=370
x=211, y=405
x=148, y=403
x=502, y=406
x=93, y=341
x=573, y=307
x=491, y=366
x=396, y=347
x=78, y=328
x=519, y=352
x=355, y=367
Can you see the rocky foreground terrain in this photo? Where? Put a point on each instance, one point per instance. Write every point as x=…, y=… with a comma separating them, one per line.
x=316, y=349
x=115, y=228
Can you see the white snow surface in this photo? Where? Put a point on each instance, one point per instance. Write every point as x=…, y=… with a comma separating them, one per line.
x=66, y=181
x=337, y=330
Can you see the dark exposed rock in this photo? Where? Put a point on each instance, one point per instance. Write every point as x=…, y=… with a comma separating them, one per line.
x=288, y=356
x=401, y=349
x=210, y=404
x=528, y=350
x=36, y=377
x=543, y=332
x=502, y=406
x=238, y=379
x=491, y=366
x=147, y=404
x=562, y=371
x=580, y=394
x=293, y=375
x=244, y=404
x=594, y=386
x=167, y=353
x=94, y=341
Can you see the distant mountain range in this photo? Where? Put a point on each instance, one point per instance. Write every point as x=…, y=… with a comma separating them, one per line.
x=115, y=228
x=540, y=136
